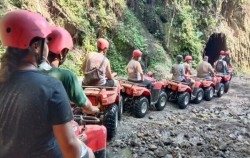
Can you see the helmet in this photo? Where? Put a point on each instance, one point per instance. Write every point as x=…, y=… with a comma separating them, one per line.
x=102, y=43
x=150, y=74
x=188, y=57
x=179, y=58
x=137, y=53
x=227, y=52
x=19, y=27
x=59, y=39
x=222, y=52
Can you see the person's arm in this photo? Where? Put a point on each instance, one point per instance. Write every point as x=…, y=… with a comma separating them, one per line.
x=108, y=71
x=84, y=63
x=59, y=116
x=210, y=69
x=139, y=69
x=69, y=145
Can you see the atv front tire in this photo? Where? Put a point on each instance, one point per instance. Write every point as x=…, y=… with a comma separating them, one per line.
x=183, y=100
x=226, y=86
x=162, y=101
x=199, y=96
x=141, y=107
x=221, y=90
x=110, y=120
x=209, y=93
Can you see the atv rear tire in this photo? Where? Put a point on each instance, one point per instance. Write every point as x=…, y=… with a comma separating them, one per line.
x=199, y=96
x=183, y=100
x=209, y=93
x=226, y=86
x=141, y=107
x=221, y=90
x=162, y=101
x=120, y=108
x=110, y=120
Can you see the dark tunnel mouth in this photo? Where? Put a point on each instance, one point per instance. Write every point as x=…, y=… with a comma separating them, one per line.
x=215, y=43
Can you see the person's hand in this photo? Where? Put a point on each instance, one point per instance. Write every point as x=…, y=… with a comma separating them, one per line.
x=91, y=110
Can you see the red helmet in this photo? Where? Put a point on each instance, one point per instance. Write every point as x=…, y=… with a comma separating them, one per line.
x=137, y=53
x=188, y=57
x=222, y=52
x=19, y=27
x=59, y=39
x=102, y=43
x=227, y=52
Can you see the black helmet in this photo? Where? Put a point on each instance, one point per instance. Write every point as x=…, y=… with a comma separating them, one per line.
x=179, y=58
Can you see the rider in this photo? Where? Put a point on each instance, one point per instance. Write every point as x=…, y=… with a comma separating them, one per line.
x=35, y=112
x=134, y=70
x=60, y=42
x=227, y=58
x=178, y=70
x=98, y=59
x=220, y=65
x=205, y=70
x=188, y=72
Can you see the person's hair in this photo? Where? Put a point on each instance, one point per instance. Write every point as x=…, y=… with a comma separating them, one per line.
x=12, y=58
x=10, y=61
x=205, y=58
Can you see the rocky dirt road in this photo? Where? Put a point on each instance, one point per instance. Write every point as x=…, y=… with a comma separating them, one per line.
x=219, y=128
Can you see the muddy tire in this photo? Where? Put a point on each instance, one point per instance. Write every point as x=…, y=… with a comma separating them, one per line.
x=209, y=93
x=110, y=120
x=183, y=100
x=199, y=96
x=221, y=90
x=162, y=101
x=120, y=108
x=226, y=86
x=141, y=107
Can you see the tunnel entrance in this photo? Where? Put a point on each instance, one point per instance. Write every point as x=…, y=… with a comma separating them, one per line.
x=215, y=44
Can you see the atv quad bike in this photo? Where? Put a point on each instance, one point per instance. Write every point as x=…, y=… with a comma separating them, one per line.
x=225, y=79
x=209, y=87
x=110, y=103
x=139, y=98
x=181, y=92
x=94, y=136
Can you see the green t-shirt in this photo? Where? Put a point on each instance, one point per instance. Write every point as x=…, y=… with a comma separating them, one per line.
x=70, y=83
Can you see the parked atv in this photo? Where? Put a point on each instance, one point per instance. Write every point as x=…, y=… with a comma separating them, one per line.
x=139, y=98
x=182, y=92
x=209, y=87
x=94, y=136
x=110, y=103
x=225, y=79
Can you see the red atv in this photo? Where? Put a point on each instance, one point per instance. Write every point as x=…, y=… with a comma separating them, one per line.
x=209, y=88
x=139, y=98
x=110, y=103
x=181, y=92
x=225, y=79
x=94, y=136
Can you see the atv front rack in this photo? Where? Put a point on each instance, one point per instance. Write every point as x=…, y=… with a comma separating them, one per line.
x=83, y=120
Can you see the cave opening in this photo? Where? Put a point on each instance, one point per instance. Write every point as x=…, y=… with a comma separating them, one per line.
x=215, y=43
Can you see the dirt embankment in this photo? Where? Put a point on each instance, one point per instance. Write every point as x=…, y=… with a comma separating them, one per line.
x=219, y=128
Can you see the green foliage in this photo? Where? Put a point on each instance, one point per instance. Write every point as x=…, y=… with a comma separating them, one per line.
x=72, y=63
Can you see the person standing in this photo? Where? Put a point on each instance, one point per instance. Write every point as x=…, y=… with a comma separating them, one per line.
x=35, y=111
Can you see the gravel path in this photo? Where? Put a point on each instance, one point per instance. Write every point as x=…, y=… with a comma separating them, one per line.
x=219, y=128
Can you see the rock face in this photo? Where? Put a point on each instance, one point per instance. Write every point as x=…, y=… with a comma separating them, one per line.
x=224, y=25
x=161, y=29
